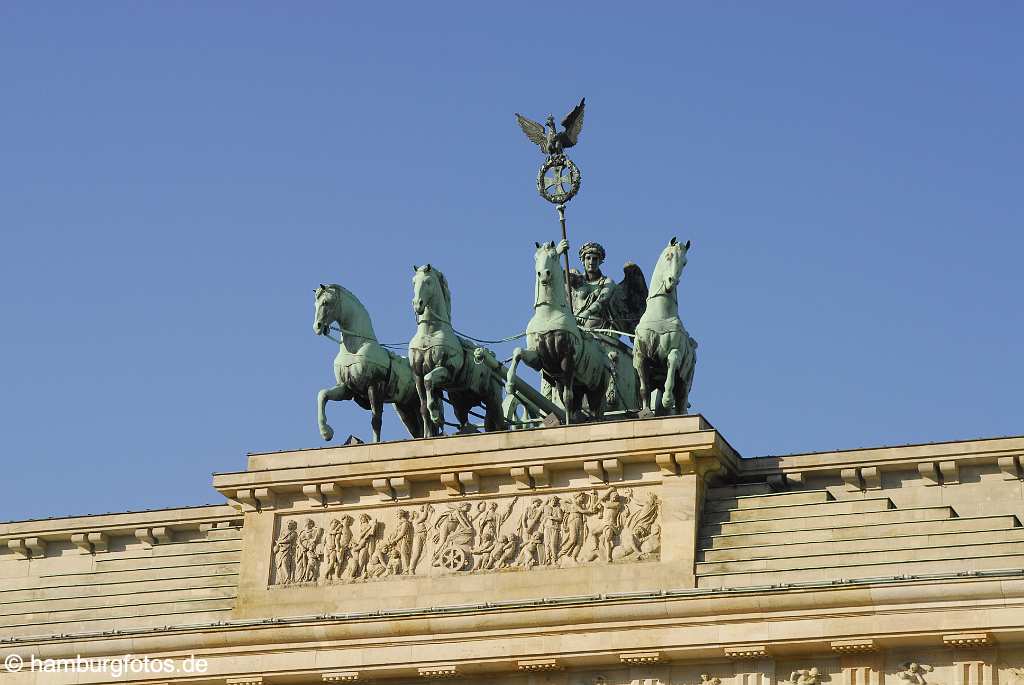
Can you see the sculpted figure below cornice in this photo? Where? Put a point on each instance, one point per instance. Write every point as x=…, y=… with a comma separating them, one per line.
x=503, y=534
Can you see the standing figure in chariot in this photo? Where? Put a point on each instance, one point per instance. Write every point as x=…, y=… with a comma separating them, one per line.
x=597, y=300
x=602, y=305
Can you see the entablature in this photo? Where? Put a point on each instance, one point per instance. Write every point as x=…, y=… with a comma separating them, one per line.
x=939, y=463
x=92, y=533
x=683, y=444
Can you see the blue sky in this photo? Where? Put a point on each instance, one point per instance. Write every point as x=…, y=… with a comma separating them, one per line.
x=176, y=178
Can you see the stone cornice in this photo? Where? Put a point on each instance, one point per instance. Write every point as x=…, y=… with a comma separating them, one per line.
x=126, y=523
x=504, y=442
x=525, y=456
x=628, y=441
x=893, y=458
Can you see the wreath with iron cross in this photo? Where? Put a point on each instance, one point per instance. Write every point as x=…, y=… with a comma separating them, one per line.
x=558, y=179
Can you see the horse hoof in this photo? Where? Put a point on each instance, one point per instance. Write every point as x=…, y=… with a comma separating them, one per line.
x=327, y=433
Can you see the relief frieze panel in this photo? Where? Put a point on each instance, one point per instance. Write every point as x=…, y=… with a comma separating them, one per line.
x=498, y=534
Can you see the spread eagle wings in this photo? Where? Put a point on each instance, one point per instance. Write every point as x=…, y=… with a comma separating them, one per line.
x=533, y=131
x=573, y=123
x=633, y=287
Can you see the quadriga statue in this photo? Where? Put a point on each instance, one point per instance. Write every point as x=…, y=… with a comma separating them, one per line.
x=664, y=354
x=365, y=371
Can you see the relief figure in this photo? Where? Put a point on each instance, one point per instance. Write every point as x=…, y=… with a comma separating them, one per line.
x=805, y=676
x=642, y=533
x=597, y=526
x=336, y=547
x=421, y=526
x=530, y=520
x=402, y=538
x=574, y=525
x=307, y=558
x=364, y=546
x=503, y=553
x=913, y=672
x=552, y=529
x=609, y=507
x=284, y=553
x=386, y=561
x=532, y=552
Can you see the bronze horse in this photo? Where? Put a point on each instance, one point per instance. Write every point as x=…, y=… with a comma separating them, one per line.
x=571, y=358
x=365, y=371
x=441, y=360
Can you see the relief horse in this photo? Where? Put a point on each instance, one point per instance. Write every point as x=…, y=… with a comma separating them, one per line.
x=569, y=357
x=364, y=371
x=441, y=360
x=664, y=354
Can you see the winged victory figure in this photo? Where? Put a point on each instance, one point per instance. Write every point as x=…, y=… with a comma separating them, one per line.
x=549, y=138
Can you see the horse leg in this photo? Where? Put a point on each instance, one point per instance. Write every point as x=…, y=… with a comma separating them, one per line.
x=433, y=381
x=596, y=400
x=461, y=403
x=338, y=393
x=668, y=397
x=682, y=403
x=375, y=395
x=569, y=399
x=520, y=354
x=566, y=355
x=687, y=382
x=421, y=392
x=640, y=366
x=495, y=420
x=409, y=413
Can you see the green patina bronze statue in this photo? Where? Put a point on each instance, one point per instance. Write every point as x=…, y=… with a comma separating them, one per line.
x=609, y=310
x=551, y=141
x=571, y=359
x=598, y=301
x=574, y=337
x=364, y=371
x=664, y=354
x=441, y=360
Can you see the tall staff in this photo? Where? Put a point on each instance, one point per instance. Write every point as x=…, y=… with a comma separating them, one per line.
x=558, y=179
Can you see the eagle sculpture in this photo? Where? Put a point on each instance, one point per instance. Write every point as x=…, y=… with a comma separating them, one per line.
x=549, y=138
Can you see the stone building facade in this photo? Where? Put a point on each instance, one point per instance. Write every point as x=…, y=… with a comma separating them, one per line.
x=620, y=553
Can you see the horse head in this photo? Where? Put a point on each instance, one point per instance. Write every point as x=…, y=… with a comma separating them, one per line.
x=546, y=262
x=430, y=291
x=550, y=286
x=325, y=311
x=669, y=268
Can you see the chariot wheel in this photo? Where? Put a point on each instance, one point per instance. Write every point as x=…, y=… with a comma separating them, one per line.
x=455, y=559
